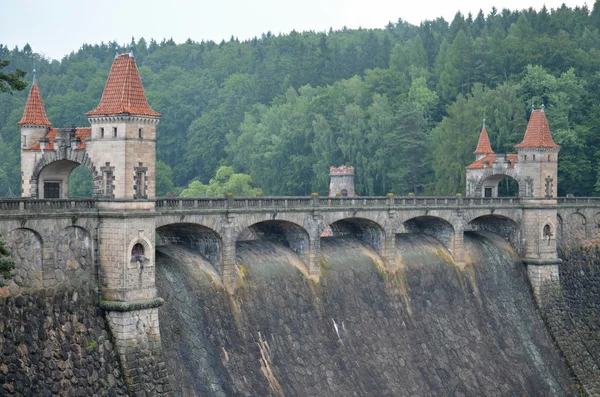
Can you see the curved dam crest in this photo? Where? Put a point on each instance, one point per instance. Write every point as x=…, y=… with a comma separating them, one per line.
x=428, y=328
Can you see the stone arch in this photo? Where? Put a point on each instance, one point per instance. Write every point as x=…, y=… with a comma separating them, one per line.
x=496, y=175
x=576, y=230
x=365, y=229
x=433, y=226
x=498, y=224
x=26, y=249
x=148, y=249
x=288, y=233
x=199, y=238
x=73, y=258
x=70, y=158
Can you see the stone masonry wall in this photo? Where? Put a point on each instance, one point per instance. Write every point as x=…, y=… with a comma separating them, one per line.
x=57, y=343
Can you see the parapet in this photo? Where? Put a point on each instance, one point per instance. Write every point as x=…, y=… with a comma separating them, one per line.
x=341, y=170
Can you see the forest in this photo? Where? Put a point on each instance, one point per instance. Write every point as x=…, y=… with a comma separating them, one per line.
x=403, y=104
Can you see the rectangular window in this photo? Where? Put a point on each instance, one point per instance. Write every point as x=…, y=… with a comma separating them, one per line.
x=24, y=140
x=534, y=157
x=51, y=190
x=107, y=183
x=488, y=192
x=101, y=132
x=115, y=132
x=140, y=133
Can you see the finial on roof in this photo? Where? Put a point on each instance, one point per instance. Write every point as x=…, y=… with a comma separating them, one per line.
x=34, y=71
x=484, y=122
x=131, y=47
x=116, y=54
x=543, y=108
x=532, y=107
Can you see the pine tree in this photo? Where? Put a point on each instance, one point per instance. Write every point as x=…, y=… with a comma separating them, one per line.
x=6, y=262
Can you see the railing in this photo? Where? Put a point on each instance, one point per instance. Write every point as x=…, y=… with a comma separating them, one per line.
x=33, y=205
x=279, y=203
x=579, y=200
x=253, y=203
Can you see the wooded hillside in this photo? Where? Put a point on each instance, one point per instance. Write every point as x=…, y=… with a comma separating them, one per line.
x=403, y=104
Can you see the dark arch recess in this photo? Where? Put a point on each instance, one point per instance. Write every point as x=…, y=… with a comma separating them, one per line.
x=287, y=233
x=364, y=229
x=76, y=156
x=501, y=225
x=199, y=238
x=432, y=226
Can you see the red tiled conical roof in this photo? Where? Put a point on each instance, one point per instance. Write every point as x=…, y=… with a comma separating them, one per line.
x=123, y=92
x=34, y=113
x=483, y=145
x=538, y=132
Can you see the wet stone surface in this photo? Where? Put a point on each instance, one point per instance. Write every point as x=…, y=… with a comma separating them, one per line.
x=426, y=329
x=56, y=343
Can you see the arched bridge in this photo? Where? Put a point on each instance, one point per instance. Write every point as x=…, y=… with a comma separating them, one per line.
x=212, y=226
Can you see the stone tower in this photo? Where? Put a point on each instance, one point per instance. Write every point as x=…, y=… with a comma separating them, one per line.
x=341, y=181
x=123, y=135
x=538, y=158
x=34, y=126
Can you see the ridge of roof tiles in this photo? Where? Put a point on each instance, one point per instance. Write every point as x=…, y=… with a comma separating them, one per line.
x=80, y=132
x=488, y=161
x=483, y=145
x=124, y=92
x=34, y=113
x=538, y=132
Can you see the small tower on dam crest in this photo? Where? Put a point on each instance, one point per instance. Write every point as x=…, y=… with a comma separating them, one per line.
x=341, y=181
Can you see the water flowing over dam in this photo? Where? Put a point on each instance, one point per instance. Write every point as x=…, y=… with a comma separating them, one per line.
x=427, y=328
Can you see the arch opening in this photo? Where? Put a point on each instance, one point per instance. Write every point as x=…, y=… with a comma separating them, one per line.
x=500, y=185
x=435, y=227
x=198, y=238
x=81, y=182
x=365, y=229
x=501, y=225
x=287, y=233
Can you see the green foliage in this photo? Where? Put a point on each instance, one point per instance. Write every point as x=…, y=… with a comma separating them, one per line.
x=224, y=181
x=81, y=183
x=10, y=82
x=403, y=104
x=6, y=262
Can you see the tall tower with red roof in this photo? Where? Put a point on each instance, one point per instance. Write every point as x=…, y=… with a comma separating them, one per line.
x=34, y=126
x=538, y=158
x=123, y=136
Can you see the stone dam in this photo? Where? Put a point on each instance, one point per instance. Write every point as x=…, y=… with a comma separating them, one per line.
x=426, y=327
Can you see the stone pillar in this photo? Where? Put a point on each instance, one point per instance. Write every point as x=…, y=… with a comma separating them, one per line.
x=314, y=256
x=538, y=247
x=136, y=335
x=228, y=265
x=544, y=279
x=128, y=292
x=458, y=250
x=388, y=245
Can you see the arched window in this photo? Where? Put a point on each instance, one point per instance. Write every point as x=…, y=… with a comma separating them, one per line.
x=547, y=232
x=344, y=192
x=137, y=252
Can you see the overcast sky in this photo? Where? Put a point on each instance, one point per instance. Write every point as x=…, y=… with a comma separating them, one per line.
x=57, y=27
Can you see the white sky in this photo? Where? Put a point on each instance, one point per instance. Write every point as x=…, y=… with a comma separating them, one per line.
x=57, y=27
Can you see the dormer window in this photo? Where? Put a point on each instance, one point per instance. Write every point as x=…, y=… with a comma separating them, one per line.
x=114, y=132
x=486, y=163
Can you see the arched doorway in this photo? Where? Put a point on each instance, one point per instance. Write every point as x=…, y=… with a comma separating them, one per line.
x=56, y=170
x=498, y=185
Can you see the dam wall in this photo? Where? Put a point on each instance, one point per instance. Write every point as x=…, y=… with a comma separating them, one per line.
x=426, y=327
